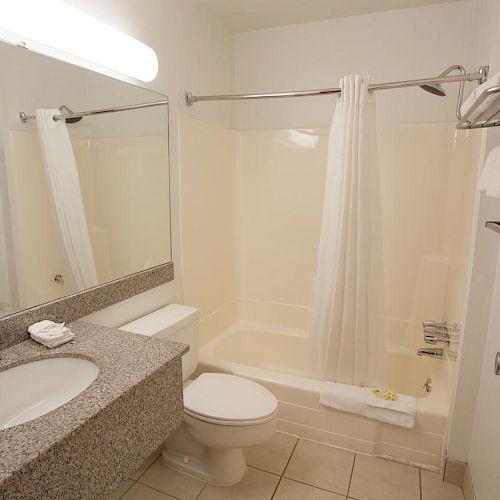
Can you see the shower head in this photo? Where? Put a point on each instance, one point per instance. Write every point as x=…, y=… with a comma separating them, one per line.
x=437, y=89
x=65, y=109
x=434, y=88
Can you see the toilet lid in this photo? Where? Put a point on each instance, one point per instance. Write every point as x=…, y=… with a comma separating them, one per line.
x=220, y=396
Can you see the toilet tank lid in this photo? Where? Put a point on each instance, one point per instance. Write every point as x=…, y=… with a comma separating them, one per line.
x=167, y=320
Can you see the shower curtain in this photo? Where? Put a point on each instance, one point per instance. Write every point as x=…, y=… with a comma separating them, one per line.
x=67, y=202
x=347, y=329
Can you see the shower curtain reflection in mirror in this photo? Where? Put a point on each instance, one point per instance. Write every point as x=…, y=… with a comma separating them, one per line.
x=66, y=200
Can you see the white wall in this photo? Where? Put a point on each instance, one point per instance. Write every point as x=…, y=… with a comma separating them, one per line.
x=483, y=265
x=397, y=45
x=194, y=48
x=208, y=213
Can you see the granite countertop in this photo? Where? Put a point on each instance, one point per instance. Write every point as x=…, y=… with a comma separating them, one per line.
x=124, y=360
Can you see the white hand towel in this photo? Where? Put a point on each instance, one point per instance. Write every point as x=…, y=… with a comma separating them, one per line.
x=362, y=401
x=489, y=182
x=490, y=101
x=43, y=326
x=50, y=334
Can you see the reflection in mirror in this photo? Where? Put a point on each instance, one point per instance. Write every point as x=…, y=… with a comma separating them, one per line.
x=84, y=199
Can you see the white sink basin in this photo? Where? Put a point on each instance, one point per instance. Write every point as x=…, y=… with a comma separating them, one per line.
x=30, y=390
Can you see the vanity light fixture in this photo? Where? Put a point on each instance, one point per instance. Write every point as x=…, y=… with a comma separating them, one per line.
x=56, y=29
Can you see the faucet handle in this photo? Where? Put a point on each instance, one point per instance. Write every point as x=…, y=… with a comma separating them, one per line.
x=441, y=331
x=435, y=339
x=440, y=328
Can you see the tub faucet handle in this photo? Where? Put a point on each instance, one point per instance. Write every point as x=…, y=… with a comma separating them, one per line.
x=444, y=327
x=438, y=352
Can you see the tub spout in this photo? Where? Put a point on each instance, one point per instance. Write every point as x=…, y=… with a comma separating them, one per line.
x=433, y=353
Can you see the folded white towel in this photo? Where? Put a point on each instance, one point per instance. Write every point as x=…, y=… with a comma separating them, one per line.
x=362, y=401
x=489, y=181
x=400, y=412
x=50, y=334
x=343, y=397
x=488, y=103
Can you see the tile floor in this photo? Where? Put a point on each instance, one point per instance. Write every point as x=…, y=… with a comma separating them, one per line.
x=288, y=468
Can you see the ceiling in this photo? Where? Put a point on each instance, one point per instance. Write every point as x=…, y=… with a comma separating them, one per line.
x=249, y=15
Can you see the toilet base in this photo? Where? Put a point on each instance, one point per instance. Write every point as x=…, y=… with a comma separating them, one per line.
x=220, y=467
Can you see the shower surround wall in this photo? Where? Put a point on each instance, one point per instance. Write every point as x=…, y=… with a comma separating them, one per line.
x=263, y=259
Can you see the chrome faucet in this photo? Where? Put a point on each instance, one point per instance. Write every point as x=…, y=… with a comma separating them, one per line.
x=437, y=352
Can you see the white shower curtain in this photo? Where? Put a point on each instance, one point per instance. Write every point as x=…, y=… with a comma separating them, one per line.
x=67, y=202
x=347, y=329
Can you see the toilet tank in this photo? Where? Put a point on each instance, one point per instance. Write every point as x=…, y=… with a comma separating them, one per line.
x=176, y=323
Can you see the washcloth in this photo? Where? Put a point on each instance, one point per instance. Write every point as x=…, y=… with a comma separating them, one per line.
x=489, y=182
x=362, y=401
x=492, y=102
x=50, y=334
x=399, y=412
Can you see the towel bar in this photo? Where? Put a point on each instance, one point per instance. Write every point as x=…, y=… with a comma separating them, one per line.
x=493, y=225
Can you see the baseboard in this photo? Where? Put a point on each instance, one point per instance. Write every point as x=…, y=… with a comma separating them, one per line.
x=467, y=486
x=458, y=473
x=454, y=472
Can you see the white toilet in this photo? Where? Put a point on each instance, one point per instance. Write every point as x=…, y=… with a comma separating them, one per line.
x=222, y=413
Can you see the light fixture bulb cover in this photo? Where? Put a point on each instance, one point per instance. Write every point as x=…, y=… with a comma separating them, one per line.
x=57, y=29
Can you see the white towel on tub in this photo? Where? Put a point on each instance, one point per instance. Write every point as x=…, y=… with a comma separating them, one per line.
x=362, y=401
x=344, y=397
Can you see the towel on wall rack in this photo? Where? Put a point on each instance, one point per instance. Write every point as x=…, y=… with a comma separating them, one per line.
x=467, y=105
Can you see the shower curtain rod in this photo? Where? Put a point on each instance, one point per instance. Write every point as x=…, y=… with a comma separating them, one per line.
x=469, y=77
x=64, y=116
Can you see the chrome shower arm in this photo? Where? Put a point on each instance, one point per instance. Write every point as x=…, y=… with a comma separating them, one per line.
x=460, y=97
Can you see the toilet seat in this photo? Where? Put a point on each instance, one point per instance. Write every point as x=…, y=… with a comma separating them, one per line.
x=225, y=399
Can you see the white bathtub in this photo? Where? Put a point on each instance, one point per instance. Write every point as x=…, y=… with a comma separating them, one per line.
x=277, y=359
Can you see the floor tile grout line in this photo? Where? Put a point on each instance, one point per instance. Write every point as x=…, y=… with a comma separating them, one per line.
x=264, y=470
x=314, y=486
x=420, y=483
x=129, y=488
x=352, y=473
x=201, y=491
x=308, y=484
x=147, y=468
x=160, y=491
x=290, y=457
x=277, y=486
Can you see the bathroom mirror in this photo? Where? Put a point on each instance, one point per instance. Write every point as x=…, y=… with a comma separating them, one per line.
x=83, y=200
